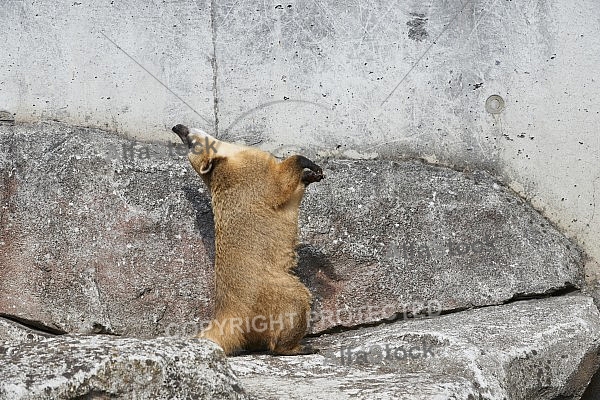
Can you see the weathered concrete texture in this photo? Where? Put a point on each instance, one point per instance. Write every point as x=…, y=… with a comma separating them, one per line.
x=95, y=240
x=109, y=71
x=384, y=238
x=411, y=78
x=536, y=349
x=101, y=367
x=13, y=333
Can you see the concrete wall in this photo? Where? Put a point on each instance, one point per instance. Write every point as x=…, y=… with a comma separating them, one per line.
x=358, y=79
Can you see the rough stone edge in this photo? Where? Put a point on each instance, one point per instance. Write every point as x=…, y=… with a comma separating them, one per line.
x=124, y=353
x=14, y=333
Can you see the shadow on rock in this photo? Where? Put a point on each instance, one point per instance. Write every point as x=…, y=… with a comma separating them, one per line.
x=204, y=218
x=315, y=270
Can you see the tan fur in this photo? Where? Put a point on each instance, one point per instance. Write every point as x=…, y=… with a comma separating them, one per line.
x=255, y=199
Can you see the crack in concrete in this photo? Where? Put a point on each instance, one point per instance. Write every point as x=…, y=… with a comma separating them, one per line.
x=593, y=200
x=215, y=66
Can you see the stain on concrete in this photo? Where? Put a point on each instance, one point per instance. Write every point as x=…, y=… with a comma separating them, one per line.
x=417, y=30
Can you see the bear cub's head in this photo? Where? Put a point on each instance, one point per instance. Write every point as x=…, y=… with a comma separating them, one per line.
x=210, y=157
x=224, y=165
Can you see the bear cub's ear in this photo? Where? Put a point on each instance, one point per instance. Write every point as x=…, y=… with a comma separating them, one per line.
x=206, y=166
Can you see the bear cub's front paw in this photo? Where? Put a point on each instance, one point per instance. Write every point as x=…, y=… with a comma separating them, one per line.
x=315, y=173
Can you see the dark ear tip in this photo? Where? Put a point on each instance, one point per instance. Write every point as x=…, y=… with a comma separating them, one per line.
x=181, y=130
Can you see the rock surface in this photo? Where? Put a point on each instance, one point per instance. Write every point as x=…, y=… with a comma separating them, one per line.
x=100, y=233
x=385, y=239
x=102, y=367
x=535, y=349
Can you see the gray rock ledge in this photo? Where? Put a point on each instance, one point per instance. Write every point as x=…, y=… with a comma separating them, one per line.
x=104, y=367
x=535, y=349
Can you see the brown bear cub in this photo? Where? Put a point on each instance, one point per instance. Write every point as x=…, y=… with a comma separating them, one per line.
x=259, y=303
